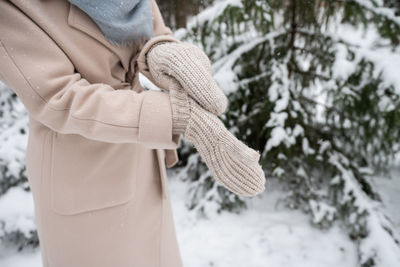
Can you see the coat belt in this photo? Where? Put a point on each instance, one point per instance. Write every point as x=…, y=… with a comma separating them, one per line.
x=161, y=157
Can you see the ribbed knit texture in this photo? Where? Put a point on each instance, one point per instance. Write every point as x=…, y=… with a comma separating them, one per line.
x=180, y=107
x=232, y=163
x=192, y=68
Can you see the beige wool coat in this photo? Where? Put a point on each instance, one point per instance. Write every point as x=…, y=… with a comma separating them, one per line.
x=98, y=145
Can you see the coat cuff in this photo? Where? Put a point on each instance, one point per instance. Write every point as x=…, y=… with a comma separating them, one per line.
x=155, y=122
x=141, y=59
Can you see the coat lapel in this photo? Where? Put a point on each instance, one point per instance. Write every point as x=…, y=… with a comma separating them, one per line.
x=81, y=21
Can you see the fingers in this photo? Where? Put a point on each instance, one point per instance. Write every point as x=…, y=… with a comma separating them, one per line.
x=200, y=56
x=231, y=162
x=192, y=68
x=237, y=148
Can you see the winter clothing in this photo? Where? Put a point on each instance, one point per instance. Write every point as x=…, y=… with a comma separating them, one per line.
x=97, y=140
x=122, y=22
x=191, y=67
x=180, y=106
x=231, y=162
x=186, y=71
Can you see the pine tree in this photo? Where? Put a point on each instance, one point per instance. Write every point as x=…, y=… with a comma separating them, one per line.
x=176, y=12
x=13, y=140
x=311, y=91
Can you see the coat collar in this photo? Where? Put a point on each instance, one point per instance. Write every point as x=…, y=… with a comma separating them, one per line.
x=81, y=21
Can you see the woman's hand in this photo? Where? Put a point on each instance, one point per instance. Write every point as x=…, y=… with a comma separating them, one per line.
x=233, y=164
x=191, y=67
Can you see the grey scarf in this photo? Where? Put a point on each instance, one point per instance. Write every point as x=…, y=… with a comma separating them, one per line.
x=122, y=22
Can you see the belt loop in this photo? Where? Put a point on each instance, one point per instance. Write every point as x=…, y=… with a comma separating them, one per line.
x=163, y=172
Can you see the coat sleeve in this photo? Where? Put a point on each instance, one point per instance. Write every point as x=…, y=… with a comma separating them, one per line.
x=161, y=33
x=45, y=80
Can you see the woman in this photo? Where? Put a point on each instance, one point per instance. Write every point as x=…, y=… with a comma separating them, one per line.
x=98, y=140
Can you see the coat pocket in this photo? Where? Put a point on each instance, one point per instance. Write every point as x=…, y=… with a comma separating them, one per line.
x=88, y=175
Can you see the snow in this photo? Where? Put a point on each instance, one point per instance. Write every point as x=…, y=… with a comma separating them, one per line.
x=389, y=185
x=262, y=236
x=278, y=134
x=285, y=135
x=379, y=244
x=385, y=59
x=320, y=210
x=379, y=9
x=24, y=259
x=16, y=210
x=12, y=142
x=217, y=8
x=222, y=68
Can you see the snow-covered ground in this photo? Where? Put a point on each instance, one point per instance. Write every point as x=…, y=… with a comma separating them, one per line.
x=389, y=189
x=262, y=236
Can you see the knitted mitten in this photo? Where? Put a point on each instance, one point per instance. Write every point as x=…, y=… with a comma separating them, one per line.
x=192, y=68
x=231, y=162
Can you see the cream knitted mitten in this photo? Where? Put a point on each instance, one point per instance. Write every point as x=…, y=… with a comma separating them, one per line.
x=192, y=68
x=231, y=162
